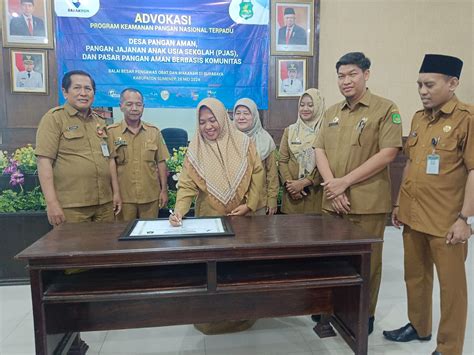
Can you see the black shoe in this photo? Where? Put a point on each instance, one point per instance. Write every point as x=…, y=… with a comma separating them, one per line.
x=316, y=318
x=371, y=324
x=404, y=334
x=436, y=353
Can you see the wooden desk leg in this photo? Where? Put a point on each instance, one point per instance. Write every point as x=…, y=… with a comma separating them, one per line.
x=41, y=342
x=362, y=336
x=78, y=347
x=48, y=344
x=323, y=328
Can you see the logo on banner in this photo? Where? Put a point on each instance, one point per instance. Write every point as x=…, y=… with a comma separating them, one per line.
x=113, y=93
x=76, y=8
x=211, y=93
x=250, y=12
x=165, y=95
x=246, y=9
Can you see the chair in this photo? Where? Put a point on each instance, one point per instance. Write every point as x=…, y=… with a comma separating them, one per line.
x=175, y=138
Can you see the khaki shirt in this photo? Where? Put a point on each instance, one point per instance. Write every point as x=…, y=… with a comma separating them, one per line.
x=350, y=137
x=137, y=157
x=80, y=171
x=289, y=168
x=188, y=189
x=431, y=203
x=269, y=194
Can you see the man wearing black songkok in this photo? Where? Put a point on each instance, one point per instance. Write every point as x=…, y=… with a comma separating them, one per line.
x=291, y=33
x=435, y=200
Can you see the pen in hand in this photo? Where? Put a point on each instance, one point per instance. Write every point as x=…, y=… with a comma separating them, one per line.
x=175, y=220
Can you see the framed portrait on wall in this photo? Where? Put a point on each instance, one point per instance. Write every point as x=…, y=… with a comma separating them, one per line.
x=292, y=26
x=29, y=71
x=291, y=77
x=27, y=23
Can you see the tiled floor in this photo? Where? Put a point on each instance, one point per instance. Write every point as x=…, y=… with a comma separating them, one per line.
x=283, y=336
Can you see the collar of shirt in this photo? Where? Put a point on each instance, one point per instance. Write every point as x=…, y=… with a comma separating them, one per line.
x=124, y=127
x=445, y=110
x=28, y=17
x=365, y=100
x=71, y=111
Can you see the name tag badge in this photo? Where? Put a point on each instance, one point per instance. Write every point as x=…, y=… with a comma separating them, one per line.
x=334, y=122
x=296, y=141
x=432, y=164
x=105, y=149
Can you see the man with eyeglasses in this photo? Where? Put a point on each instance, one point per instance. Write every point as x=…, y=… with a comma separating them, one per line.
x=291, y=33
x=138, y=160
x=73, y=157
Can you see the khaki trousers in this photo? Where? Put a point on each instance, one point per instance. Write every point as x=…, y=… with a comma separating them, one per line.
x=421, y=252
x=97, y=213
x=374, y=225
x=131, y=211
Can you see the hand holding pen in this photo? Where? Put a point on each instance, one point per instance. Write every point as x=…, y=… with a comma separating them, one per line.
x=175, y=219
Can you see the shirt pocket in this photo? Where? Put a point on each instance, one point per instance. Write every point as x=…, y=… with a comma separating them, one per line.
x=73, y=134
x=150, y=152
x=121, y=154
x=448, y=151
x=74, y=141
x=365, y=137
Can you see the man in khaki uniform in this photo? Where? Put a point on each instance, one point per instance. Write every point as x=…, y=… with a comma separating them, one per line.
x=359, y=138
x=73, y=159
x=436, y=195
x=139, y=155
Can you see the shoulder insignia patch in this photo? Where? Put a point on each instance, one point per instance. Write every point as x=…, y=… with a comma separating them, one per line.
x=58, y=108
x=396, y=118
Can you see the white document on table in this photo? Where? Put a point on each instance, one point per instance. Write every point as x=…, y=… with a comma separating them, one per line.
x=198, y=226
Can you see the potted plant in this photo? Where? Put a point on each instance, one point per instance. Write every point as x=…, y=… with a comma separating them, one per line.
x=20, y=166
x=22, y=211
x=175, y=165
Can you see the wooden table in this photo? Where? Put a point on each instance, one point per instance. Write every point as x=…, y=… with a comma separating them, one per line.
x=276, y=266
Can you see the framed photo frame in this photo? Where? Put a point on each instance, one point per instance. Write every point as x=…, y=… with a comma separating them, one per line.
x=29, y=71
x=27, y=23
x=292, y=77
x=292, y=26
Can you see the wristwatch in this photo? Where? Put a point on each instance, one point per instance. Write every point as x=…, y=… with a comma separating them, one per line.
x=463, y=217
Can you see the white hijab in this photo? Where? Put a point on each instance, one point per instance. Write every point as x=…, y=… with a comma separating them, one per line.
x=262, y=139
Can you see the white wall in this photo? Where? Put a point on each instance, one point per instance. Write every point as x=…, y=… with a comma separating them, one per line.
x=395, y=35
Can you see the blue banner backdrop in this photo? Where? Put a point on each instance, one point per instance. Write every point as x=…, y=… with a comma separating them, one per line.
x=176, y=52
